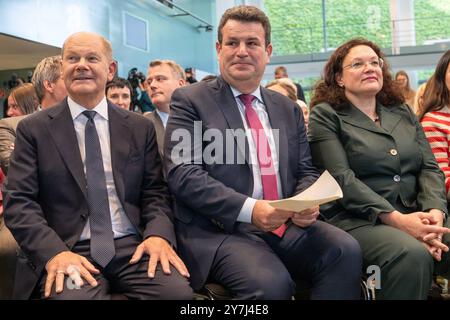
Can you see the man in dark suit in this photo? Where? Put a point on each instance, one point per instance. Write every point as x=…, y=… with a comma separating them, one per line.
x=227, y=231
x=163, y=77
x=85, y=198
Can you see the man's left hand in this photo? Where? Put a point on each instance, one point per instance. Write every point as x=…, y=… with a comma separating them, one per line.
x=159, y=250
x=306, y=217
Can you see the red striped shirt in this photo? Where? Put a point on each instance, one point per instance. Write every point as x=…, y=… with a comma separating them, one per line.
x=436, y=125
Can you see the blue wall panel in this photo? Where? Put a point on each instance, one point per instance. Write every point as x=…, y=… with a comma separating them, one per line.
x=51, y=21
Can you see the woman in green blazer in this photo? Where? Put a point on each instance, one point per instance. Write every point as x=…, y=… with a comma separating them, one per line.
x=394, y=200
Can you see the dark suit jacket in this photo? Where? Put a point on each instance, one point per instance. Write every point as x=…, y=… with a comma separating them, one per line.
x=209, y=197
x=160, y=130
x=379, y=169
x=46, y=206
x=300, y=93
x=8, y=128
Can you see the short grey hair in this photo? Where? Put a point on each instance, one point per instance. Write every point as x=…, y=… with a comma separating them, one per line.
x=48, y=69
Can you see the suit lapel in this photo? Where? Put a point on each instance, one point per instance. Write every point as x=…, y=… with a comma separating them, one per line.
x=389, y=120
x=277, y=122
x=227, y=103
x=160, y=130
x=62, y=130
x=357, y=118
x=120, y=141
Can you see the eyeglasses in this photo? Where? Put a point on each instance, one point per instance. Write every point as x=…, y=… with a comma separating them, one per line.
x=358, y=64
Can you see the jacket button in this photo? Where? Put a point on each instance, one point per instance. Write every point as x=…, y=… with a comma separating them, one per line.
x=83, y=216
x=393, y=152
x=397, y=178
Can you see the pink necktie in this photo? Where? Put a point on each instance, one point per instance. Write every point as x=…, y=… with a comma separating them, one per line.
x=268, y=174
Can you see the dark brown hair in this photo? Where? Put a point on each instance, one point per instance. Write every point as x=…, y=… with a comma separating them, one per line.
x=26, y=98
x=436, y=95
x=403, y=73
x=119, y=83
x=327, y=89
x=245, y=14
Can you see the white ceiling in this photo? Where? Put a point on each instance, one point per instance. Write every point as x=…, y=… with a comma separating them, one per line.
x=16, y=53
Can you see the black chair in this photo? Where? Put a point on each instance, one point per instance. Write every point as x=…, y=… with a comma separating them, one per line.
x=214, y=291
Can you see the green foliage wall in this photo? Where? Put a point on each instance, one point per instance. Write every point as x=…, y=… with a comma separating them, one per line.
x=297, y=25
x=432, y=20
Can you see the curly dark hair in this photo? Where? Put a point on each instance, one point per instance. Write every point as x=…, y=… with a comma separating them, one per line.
x=436, y=94
x=327, y=89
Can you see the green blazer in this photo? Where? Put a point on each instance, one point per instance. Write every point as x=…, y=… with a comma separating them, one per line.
x=379, y=168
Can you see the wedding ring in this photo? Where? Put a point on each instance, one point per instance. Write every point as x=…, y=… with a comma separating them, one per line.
x=59, y=271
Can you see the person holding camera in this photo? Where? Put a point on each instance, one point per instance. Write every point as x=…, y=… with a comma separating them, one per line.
x=140, y=98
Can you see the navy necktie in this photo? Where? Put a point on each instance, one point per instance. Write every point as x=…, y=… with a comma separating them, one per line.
x=102, y=237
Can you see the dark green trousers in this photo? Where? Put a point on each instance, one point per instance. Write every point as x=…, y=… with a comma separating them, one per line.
x=406, y=265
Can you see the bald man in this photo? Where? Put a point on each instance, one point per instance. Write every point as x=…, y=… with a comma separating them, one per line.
x=85, y=198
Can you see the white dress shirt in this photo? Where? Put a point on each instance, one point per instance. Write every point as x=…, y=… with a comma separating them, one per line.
x=245, y=215
x=121, y=225
x=164, y=116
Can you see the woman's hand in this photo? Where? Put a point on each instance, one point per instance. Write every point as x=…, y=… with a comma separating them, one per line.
x=433, y=241
x=424, y=226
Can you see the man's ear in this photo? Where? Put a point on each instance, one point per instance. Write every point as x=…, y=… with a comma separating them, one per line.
x=112, y=68
x=218, y=47
x=181, y=82
x=48, y=86
x=269, y=50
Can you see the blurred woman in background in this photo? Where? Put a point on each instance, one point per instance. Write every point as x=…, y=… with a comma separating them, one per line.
x=287, y=88
x=22, y=100
x=402, y=79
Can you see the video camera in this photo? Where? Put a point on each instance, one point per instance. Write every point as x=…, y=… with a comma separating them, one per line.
x=135, y=77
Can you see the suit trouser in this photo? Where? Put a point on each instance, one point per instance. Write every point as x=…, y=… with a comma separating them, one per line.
x=8, y=258
x=263, y=266
x=406, y=265
x=123, y=278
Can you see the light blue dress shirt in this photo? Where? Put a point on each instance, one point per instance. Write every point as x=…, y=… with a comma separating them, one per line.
x=164, y=117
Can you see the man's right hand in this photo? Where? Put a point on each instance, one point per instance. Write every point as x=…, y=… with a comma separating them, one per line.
x=72, y=265
x=267, y=218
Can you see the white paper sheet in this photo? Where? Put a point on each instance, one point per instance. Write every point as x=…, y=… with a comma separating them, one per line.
x=324, y=190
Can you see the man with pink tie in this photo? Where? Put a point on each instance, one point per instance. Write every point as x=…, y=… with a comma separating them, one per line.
x=227, y=232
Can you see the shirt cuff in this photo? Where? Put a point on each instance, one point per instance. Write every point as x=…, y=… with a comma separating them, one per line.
x=245, y=215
